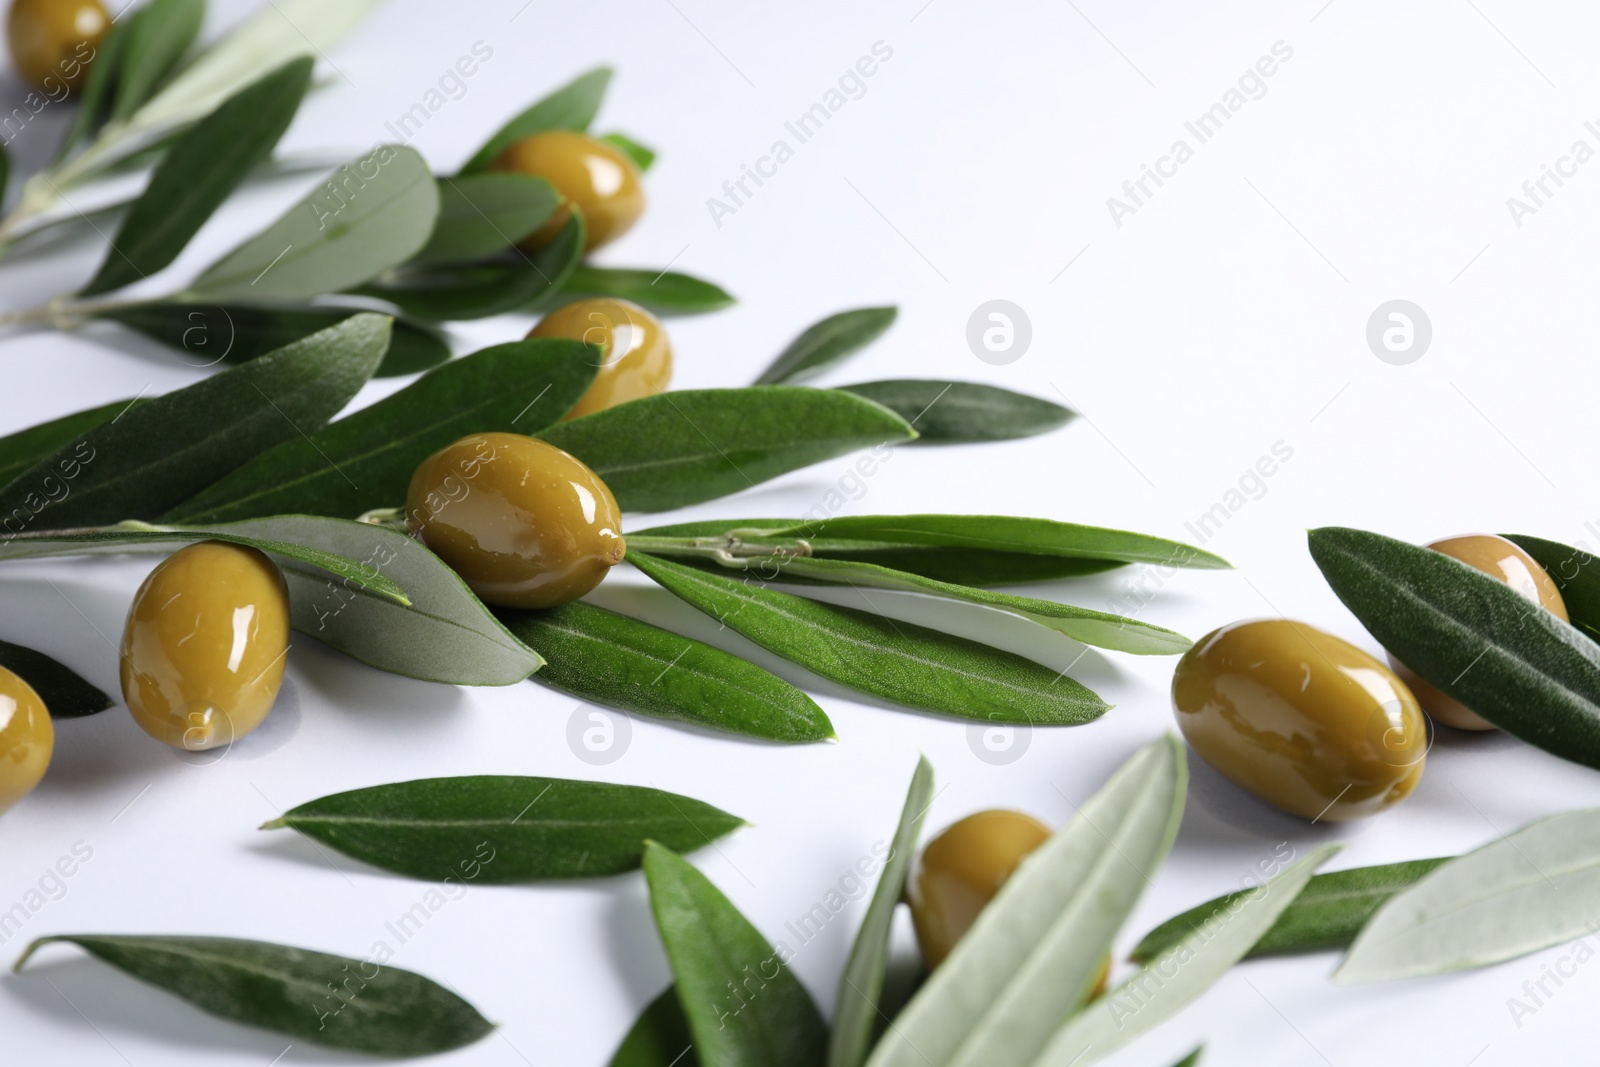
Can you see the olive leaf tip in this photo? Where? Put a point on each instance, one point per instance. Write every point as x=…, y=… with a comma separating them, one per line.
x=281, y=822
x=27, y=953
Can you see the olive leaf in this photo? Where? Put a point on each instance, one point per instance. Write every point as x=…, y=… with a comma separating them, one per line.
x=681, y=448
x=612, y=660
x=1192, y=1058
x=24, y=449
x=1524, y=891
x=238, y=333
x=1327, y=914
x=960, y=412
x=825, y=343
x=482, y=214
x=642, y=157
x=370, y=215
x=1034, y=954
x=861, y=984
x=158, y=35
x=96, y=94
x=662, y=291
x=199, y=172
x=503, y=830
x=361, y=1005
x=1180, y=974
x=660, y=1037
x=65, y=694
x=365, y=460
x=900, y=662
x=713, y=949
x=1576, y=574
x=157, y=454
x=572, y=107
x=1472, y=636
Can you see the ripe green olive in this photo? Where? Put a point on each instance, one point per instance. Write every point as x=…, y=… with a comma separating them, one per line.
x=590, y=175
x=27, y=737
x=961, y=870
x=1302, y=719
x=52, y=41
x=1498, y=558
x=636, y=357
x=204, y=648
x=524, y=524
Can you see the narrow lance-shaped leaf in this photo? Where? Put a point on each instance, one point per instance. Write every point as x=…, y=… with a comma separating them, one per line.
x=95, y=93
x=199, y=172
x=681, y=448
x=1328, y=914
x=660, y=1037
x=1523, y=892
x=900, y=662
x=1576, y=573
x=502, y=830
x=663, y=291
x=710, y=946
x=1035, y=953
x=1151, y=997
x=482, y=214
x=159, y=453
x=1473, y=637
x=159, y=33
x=612, y=660
x=862, y=982
x=370, y=215
x=26, y=448
x=957, y=412
x=65, y=694
x=382, y=1009
x=365, y=460
x=572, y=107
x=827, y=342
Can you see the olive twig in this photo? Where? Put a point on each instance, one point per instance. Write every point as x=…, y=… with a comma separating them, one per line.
x=726, y=549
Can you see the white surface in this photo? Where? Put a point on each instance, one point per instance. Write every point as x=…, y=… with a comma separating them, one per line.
x=976, y=166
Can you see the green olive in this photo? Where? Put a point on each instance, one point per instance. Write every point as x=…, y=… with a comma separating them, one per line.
x=1304, y=720
x=1498, y=558
x=204, y=648
x=961, y=870
x=52, y=41
x=590, y=175
x=523, y=523
x=636, y=357
x=27, y=737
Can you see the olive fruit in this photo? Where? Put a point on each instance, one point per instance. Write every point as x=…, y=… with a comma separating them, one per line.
x=590, y=175
x=636, y=357
x=204, y=648
x=524, y=524
x=961, y=870
x=1498, y=558
x=52, y=41
x=27, y=737
x=1304, y=720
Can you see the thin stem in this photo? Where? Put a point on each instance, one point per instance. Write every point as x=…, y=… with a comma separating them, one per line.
x=726, y=549
x=67, y=314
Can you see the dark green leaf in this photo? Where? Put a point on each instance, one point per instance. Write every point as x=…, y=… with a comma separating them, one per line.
x=1328, y=913
x=900, y=662
x=858, y=1012
x=1472, y=636
x=363, y=1005
x=238, y=333
x=665, y=292
x=572, y=107
x=714, y=951
x=163, y=451
x=680, y=448
x=482, y=214
x=370, y=215
x=612, y=660
x=660, y=1038
x=502, y=830
x=159, y=33
x=1575, y=572
x=198, y=173
x=956, y=412
x=642, y=157
x=826, y=343
x=365, y=460
x=1192, y=1059
x=96, y=93
x=65, y=694
x=26, y=448
x=476, y=291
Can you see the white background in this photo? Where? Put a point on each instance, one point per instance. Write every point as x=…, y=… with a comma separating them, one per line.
x=1226, y=315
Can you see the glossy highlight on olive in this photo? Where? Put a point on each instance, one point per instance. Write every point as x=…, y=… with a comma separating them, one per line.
x=960, y=871
x=635, y=355
x=601, y=182
x=1304, y=720
x=1498, y=558
x=27, y=739
x=53, y=41
x=204, y=648
x=523, y=523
